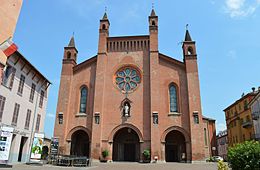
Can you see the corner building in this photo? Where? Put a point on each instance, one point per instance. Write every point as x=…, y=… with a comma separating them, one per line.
x=128, y=98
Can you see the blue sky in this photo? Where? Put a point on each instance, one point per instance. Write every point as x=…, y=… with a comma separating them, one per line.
x=226, y=32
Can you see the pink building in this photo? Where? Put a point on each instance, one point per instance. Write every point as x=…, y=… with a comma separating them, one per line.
x=222, y=142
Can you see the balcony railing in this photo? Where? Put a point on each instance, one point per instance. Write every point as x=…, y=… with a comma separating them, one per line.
x=247, y=124
x=255, y=115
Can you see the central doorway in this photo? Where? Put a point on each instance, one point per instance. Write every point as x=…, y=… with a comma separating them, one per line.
x=126, y=146
x=175, y=147
x=22, y=148
x=79, y=143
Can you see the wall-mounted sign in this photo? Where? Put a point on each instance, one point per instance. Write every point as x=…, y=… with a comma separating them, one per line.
x=54, y=146
x=6, y=135
x=36, y=151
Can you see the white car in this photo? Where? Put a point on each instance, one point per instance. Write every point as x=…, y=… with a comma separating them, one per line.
x=217, y=158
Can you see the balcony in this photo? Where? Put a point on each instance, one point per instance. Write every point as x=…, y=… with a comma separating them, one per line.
x=255, y=115
x=247, y=124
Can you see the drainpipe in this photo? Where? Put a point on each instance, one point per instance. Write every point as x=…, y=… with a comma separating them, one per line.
x=34, y=115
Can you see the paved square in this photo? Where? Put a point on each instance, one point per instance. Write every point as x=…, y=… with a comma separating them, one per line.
x=125, y=166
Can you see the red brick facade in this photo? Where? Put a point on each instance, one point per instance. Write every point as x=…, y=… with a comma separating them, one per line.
x=151, y=124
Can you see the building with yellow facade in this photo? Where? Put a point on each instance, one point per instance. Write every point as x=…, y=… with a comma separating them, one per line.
x=239, y=119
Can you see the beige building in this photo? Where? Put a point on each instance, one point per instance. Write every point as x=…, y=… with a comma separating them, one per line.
x=23, y=100
x=255, y=108
x=9, y=13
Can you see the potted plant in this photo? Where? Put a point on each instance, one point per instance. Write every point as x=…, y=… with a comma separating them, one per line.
x=146, y=156
x=105, y=154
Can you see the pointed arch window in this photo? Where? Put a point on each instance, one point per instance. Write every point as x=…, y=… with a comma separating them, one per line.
x=83, y=99
x=173, y=98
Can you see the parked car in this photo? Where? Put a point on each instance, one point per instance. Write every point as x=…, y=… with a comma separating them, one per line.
x=217, y=158
x=214, y=159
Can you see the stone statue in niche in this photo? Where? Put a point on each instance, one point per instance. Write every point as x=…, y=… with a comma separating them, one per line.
x=126, y=110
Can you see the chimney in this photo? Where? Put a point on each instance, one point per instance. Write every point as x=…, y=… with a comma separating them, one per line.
x=253, y=88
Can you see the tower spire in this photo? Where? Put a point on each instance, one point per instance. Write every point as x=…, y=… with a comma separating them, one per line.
x=72, y=41
x=105, y=14
x=153, y=14
x=187, y=34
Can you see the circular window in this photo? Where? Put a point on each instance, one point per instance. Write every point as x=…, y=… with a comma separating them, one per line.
x=127, y=79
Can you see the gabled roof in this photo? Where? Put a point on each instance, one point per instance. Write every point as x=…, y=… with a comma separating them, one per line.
x=241, y=99
x=172, y=60
x=85, y=63
x=33, y=68
x=209, y=119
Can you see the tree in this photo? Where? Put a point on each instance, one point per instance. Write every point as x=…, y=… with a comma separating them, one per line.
x=245, y=156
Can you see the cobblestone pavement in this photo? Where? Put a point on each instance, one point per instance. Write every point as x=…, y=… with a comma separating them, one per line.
x=125, y=166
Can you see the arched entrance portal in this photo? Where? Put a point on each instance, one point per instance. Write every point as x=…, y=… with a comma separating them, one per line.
x=126, y=145
x=79, y=143
x=175, y=147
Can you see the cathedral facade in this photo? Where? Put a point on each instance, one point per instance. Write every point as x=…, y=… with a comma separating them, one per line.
x=130, y=98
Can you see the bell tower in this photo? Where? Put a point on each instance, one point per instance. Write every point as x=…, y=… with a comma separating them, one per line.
x=154, y=84
x=71, y=52
x=103, y=34
x=68, y=62
x=153, y=30
x=102, y=59
x=189, y=47
x=195, y=111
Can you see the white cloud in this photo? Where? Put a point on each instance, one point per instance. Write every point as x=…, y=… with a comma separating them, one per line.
x=50, y=115
x=241, y=8
x=221, y=127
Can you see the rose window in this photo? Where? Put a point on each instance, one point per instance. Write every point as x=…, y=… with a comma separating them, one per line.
x=127, y=79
